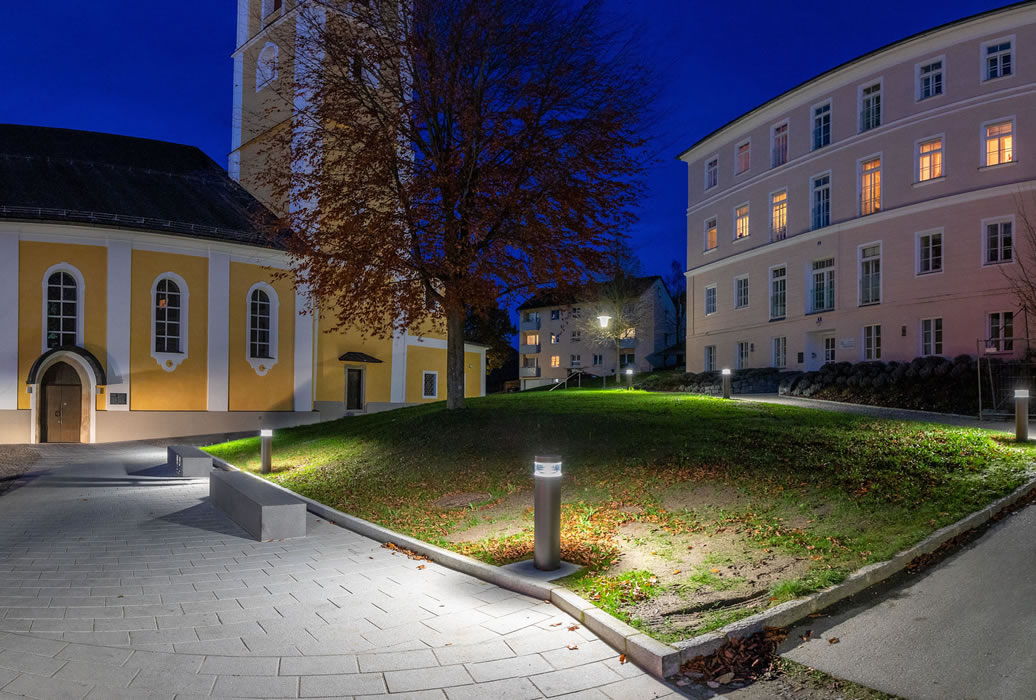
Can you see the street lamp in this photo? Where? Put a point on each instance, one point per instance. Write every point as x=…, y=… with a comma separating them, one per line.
x=726, y=383
x=547, y=512
x=604, y=319
x=266, y=448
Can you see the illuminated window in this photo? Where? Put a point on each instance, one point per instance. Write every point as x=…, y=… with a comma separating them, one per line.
x=872, y=342
x=870, y=186
x=870, y=107
x=931, y=336
x=999, y=59
x=555, y=338
x=740, y=292
x=780, y=352
x=780, y=145
x=532, y=339
x=711, y=173
x=743, y=160
x=999, y=143
x=710, y=234
x=710, y=299
x=741, y=221
x=929, y=253
x=822, y=201
x=778, y=293
x=999, y=243
x=821, y=126
x=929, y=80
x=779, y=215
x=929, y=160
x=555, y=360
x=870, y=274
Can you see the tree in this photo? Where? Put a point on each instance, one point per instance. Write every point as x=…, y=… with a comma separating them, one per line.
x=620, y=301
x=676, y=285
x=493, y=328
x=1021, y=277
x=450, y=154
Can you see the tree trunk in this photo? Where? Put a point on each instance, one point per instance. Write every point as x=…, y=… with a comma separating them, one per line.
x=455, y=316
x=617, y=363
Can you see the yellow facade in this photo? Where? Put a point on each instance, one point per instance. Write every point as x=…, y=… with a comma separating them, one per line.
x=329, y=374
x=433, y=359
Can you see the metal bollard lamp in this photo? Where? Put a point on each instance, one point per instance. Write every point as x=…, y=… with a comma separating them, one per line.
x=547, y=512
x=726, y=383
x=1021, y=415
x=266, y=446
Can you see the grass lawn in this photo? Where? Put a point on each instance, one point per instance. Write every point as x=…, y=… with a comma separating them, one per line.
x=688, y=512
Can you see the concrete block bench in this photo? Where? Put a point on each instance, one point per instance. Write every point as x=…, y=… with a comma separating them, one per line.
x=189, y=461
x=261, y=509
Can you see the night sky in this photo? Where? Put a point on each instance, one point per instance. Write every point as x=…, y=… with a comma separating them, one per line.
x=162, y=70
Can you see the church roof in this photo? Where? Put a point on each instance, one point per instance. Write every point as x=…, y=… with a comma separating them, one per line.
x=117, y=181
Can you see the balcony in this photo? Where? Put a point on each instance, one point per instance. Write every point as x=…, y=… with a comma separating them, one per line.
x=529, y=324
x=526, y=372
x=529, y=349
x=626, y=343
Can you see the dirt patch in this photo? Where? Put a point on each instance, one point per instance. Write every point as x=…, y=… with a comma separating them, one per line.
x=461, y=500
x=15, y=460
x=691, y=497
x=509, y=516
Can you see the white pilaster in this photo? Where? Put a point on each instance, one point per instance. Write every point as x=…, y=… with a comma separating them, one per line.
x=120, y=262
x=9, y=384
x=303, y=350
x=219, y=332
x=237, y=118
x=397, y=392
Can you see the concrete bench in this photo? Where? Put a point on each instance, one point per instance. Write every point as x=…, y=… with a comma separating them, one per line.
x=189, y=461
x=261, y=509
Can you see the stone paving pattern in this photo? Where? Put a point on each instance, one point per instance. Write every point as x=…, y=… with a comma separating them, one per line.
x=120, y=581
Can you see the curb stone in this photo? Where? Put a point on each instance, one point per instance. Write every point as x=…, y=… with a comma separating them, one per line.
x=657, y=658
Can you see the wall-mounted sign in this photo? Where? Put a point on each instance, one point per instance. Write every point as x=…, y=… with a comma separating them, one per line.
x=116, y=398
x=847, y=343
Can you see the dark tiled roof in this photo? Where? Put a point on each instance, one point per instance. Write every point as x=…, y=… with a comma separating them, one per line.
x=125, y=182
x=585, y=293
x=358, y=357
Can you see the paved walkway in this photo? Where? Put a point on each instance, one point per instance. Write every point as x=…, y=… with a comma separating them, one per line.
x=117, y=581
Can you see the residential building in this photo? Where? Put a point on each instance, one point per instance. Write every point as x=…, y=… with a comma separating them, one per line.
x=881, y=222
x=555, y=337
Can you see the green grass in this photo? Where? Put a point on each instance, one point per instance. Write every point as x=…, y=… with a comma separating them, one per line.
x=835, y=490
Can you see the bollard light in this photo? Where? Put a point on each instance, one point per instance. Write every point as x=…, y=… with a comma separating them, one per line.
x=629, y=379
x=266, y=448
x=547, y=512
x=726, y=383
x=1021, y=415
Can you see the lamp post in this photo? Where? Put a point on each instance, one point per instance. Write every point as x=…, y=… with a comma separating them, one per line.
x=266, y=448
x=726, y=383
x=547, y=512
x=1021, y=415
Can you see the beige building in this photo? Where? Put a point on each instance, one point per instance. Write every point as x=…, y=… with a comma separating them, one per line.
x=555, y=336
x=871, y=212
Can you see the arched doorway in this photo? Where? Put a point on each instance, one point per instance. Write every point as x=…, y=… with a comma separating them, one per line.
x=61, y=413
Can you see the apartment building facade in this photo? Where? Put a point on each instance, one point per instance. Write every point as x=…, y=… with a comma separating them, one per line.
x=556, y=337
x=872, y=212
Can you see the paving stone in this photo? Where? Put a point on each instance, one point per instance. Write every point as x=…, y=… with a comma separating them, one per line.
x=95, y=654
x=511, y=689
x=319, y=665
x=645, y=687
x=339, y=685
x=473, y=653
x=256, y=687
x=508, y=668
x=425, y=678
x=241, y=666
x=176, y=681
x=397, y=661
x=47, y=688
x=573, y=679
x=30, y=663
x=97, y=674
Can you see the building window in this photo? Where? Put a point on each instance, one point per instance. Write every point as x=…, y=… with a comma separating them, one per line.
x=998, y=59
x=532, y=339
x=555, y=314
x=743, y=157
x=999, y=242
x=262, y=327
x=710, y=358
x=711, y=237
x=531, y=317
x=872, y=342
x=741, y=222
x=1001, y=332
x=167, y=316
x=627, y=359
x=740, y=292
x=270, y=6
x=822, y=201
x=931, y=336
x=822, y=126
x=711, y=173
x=929, y=159
x=710, y=299
x=429, y=385
x=929, y=253
x=778, y=293
x=780, y=352
x=829, y=349
x=780, y=145
x=598, y=360
x=741, y=356
x=577, y=312
x=575, y=361
x=999, y=140
x=779, y=215
x=823, y=292
x=63, y=306
x=577, y=336
x=555, y=361
x=870, y=186
x=870, y=274
x=266, y=67
x=555, y=338
x=929, y=80
x=870, y=107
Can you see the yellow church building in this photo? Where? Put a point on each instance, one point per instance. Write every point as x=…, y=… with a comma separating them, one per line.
x=138, y=299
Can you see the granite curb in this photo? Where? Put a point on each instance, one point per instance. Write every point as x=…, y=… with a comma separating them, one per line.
x=657, y=658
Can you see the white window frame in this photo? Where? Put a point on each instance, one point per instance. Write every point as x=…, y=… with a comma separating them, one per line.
x=773, y=143
x=710, y=358
x=773, y=231
x=262, y=77
x=80, y=301
x=714, y=158
x=748, y=221
x=812, y=199
x=917, y=77
x=880, y=82
x=741, y=352
x=1009, y=218
x=715, y=299
x=918, y=272
x=830, y=353
x=424, y=394
x=941, y=138
x=859, y=183
x=830, y=271
x=779, y=351
x=169, y=361
x=737, y=149
x=983, y=165
x=770, y=277
x=705, y=233
x=813, y=122
x=868, y=353
x=1002, y=340
x=859, y=274
x=262, y=365
x=936, y=345
x=598, y=360
x=737, y=280
x=575, y=359
x=982, y=72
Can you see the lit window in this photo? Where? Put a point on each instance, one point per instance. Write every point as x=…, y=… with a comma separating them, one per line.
x=999, y=143
x=929, y=160
x=780, y=352
x=710, y=358
x=823, y=292
x=532, y=340
x=870, y=107
x=931, y=336
x=741, y=221
x=711, y=173
x=743, y=158
x=999, y=242
x=872, y=342
x=710, y=300
x=555, y=360
x=555, y=338
x=62, y=310
x=780, y=145
x=929, y=253
x=870, y=275
x=1001, y=332
x=740, y=292
x=821, y=201
x=779, y=215
x=870, y=186
x=999, y=59
x=778, y=293
x=711, y=238
x=822, y=126
x=929, y=80
x=741, y=356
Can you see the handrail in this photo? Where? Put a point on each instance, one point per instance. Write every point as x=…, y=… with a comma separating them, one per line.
x=565, y=383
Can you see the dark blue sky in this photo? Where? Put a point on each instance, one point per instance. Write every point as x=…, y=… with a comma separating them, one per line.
x=162, y=70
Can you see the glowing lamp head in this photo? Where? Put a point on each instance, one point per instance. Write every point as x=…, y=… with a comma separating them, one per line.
x=1021, y=393
x=604, y=319
x=266, y=432
x=547, y=466
x=726, y=373
x=629, y=372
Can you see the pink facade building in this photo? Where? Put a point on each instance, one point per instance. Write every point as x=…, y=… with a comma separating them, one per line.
x=872, y=212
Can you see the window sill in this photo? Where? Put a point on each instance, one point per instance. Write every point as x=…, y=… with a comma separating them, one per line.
x=997, y=166
x=168, y=361
x=928, y=274
x=996, y=263
x=262, y=365
x=929, y=181
x=777, y=318
x=820, y=311
x=742, y=238
x=997, y=79
x=869, y=303
x=709, y=250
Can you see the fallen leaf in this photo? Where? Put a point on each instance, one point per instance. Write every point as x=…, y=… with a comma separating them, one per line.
x=573, y=647
x=807, y=636
x=573, y=628
x=715, y=571
x=676, y=572
x=420, y=566
x=557, y=624
x=622, y=658
x=833, y=640
x=725, y=678
x=712, y=684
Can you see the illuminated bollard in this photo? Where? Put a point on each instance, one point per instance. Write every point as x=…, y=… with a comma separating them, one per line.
x=1021, y=415
x=266, y=444
x=726, y=383
x=547, y=512
x=629, y=379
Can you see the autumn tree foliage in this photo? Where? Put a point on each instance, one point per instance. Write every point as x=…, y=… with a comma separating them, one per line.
x=448, y=155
